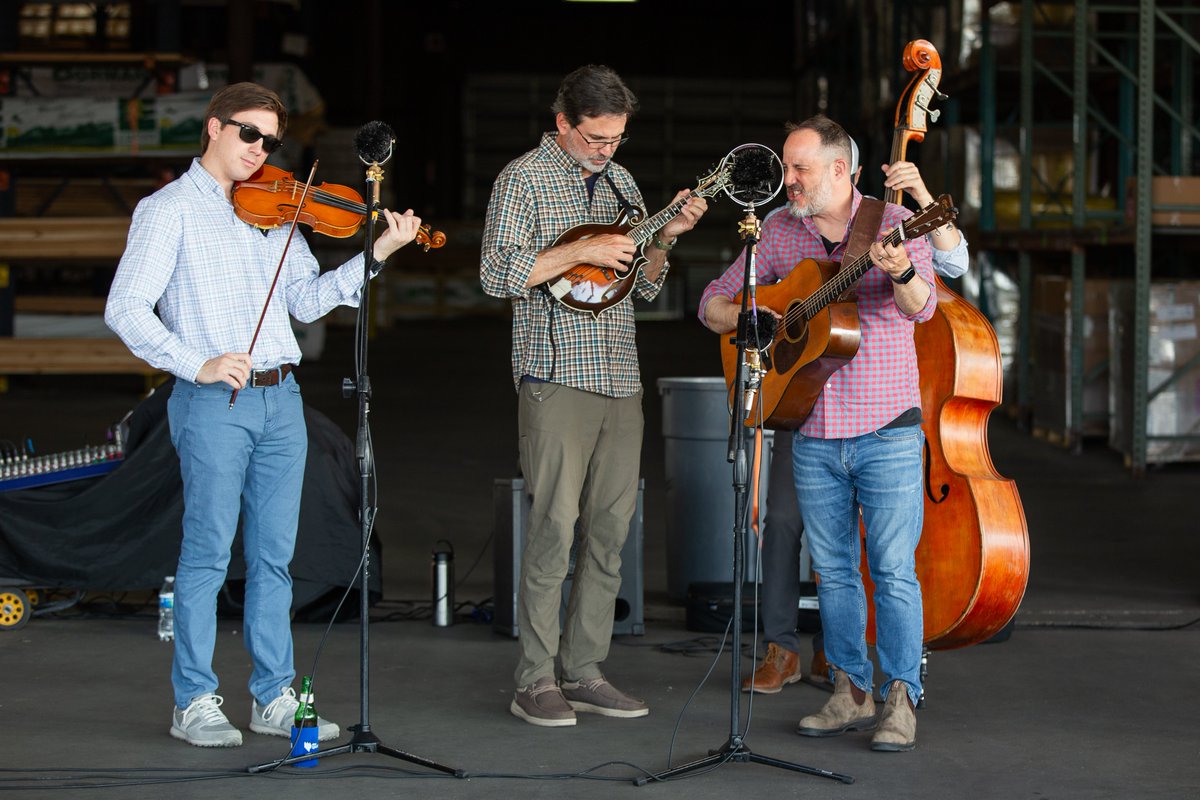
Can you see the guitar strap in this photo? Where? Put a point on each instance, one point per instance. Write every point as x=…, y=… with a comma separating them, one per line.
x=629, y=209
x=863, y=233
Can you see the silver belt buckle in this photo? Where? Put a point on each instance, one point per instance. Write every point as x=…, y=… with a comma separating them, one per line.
x=254, y=377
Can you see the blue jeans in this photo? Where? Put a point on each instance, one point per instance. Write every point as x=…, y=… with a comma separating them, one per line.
x=250, y=460
x=881, y=473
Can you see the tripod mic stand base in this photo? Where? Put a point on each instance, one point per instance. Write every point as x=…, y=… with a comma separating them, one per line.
x=737, y=751
x=363, y=741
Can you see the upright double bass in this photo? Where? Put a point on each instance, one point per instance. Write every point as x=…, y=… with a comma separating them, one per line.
x=973, y=557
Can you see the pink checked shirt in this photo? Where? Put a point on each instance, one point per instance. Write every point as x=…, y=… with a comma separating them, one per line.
x=880, y=382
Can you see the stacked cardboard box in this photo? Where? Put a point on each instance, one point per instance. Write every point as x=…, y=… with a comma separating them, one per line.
x=1165, y=191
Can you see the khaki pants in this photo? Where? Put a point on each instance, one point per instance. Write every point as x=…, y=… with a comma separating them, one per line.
x=580, y=456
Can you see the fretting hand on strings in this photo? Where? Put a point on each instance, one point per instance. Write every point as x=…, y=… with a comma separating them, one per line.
x=401, y=229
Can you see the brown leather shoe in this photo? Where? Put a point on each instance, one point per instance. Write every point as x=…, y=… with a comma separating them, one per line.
x=779, y=667
x=850, y=709
x=898, y=722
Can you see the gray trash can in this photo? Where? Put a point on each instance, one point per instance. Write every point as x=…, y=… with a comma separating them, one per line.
x=699, y=513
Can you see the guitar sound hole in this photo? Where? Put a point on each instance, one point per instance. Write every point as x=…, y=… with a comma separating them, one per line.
x=796, y=330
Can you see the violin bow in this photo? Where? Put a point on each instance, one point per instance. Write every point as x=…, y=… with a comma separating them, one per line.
x=291, y=232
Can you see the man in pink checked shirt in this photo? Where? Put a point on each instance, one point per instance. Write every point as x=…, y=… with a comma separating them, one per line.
x=860, y=448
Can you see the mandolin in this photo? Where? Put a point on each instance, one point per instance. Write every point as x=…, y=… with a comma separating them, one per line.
x=593, y=289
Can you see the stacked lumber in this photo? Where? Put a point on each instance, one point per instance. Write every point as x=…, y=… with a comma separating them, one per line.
x=75, y=356
x=63, y=238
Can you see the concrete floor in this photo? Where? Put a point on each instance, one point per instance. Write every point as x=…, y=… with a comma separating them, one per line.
x=1094, y=695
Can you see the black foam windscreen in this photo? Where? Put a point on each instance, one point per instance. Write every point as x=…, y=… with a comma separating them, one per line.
x=758, y=330
x=764, y=328
x=755, y=174
x=751, y=167
x=374, y=142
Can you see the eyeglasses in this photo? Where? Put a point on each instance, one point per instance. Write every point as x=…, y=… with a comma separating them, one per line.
x=613, y=143
x=250, y=134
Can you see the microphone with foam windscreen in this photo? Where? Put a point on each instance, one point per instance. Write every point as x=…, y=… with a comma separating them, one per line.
x=755, y=177
x=374, y=142
x=763, y=334
x=758, y=330
x=374, y=145
x=756, y=174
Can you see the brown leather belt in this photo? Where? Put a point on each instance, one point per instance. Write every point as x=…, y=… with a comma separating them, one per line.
x=270, y=377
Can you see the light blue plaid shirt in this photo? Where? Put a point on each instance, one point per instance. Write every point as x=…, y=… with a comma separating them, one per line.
x=209, y=273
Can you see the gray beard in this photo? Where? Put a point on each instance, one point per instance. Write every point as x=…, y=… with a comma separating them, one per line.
x=590, y=167
x=816, y=202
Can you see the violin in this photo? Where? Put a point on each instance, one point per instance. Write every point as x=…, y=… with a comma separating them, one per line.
x=270, y=198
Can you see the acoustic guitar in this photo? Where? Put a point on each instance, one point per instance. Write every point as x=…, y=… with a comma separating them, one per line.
x=819, y=333
x=593, y=289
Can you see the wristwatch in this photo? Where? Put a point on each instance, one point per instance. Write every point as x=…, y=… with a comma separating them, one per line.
x=661, y=245
x=905, y=276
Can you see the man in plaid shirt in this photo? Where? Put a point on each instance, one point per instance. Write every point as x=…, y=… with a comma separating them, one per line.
x=580, y=407
x=781, y=582
x=860, y=448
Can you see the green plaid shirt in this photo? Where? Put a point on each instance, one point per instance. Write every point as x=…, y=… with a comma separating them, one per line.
x=535, y=198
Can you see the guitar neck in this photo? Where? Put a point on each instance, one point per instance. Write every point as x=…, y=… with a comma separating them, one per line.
x=846, y=277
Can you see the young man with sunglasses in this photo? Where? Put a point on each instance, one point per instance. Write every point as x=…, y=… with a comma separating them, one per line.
x=208, y=273
x=580, y=395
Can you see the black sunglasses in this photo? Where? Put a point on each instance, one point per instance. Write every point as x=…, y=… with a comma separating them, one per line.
x=250, y=134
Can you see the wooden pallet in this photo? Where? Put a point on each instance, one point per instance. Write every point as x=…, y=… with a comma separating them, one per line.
x=99, y=239
x=79, y=197
x=69, y=356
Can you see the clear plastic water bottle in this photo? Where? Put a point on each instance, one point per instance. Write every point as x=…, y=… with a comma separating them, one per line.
x=166, y=610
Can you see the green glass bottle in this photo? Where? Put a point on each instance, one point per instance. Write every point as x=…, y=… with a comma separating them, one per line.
x=306, y=712
x=304, y=726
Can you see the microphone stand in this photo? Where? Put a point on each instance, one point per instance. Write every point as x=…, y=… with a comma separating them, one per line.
x=364, y=739
x=749, y=376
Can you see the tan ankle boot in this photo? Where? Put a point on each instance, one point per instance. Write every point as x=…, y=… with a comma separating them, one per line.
x=850, y=709
x=898, y=722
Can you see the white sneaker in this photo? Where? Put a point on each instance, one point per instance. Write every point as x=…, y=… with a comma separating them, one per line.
x=204, y=724
x=277, y=717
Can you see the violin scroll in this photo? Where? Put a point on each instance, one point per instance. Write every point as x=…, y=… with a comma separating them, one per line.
x=428, y=238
